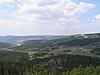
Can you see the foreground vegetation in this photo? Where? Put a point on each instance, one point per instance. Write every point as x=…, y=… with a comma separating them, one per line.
x=13, y=69
x=20, y=63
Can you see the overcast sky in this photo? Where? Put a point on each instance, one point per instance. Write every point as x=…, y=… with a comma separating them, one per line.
x=49, y=17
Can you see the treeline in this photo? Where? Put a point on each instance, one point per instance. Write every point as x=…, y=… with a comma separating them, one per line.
x=16, y=63
x=11, y=69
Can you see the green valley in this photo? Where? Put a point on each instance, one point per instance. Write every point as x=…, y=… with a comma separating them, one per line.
x=60, y=56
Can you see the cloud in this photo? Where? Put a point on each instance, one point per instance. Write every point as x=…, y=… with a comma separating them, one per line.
x=96, y=19
x=53, y=10
x=6, y=1
x=62, y=7
x=46, y=16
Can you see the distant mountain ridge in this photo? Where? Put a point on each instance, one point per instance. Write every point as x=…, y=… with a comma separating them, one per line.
x=83, y=42
x=77, y=39
x=94, y=35
x=14, y=39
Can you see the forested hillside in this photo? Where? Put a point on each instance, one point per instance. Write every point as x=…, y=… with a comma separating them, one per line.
x=70, y=55
x=4, y=45
x=16, y=63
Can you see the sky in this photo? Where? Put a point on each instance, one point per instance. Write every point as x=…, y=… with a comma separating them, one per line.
x=49, y=17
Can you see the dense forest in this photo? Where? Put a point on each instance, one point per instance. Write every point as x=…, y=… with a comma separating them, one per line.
x=17, y=63
x=70, y=55
x=13, y=69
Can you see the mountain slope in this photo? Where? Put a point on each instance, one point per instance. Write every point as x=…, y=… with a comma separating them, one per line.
x=84, y=40
x=14, y=39
x=4, y=45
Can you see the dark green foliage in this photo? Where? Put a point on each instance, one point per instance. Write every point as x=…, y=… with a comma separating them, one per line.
x=16, y=63
x=81, y=42
x=96, y=51
x=13, y=69
x=7, y=56
x=4, y=45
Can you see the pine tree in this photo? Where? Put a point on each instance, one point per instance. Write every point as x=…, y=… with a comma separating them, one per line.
x=89, y=70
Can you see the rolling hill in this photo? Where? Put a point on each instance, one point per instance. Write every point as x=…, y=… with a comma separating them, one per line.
x=14, y=39
x=74, y=40
x=81, y=44
x=4, y=45
x=56, y=54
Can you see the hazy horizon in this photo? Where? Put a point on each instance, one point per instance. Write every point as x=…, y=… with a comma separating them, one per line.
x=53, y=34
x=49, y=17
